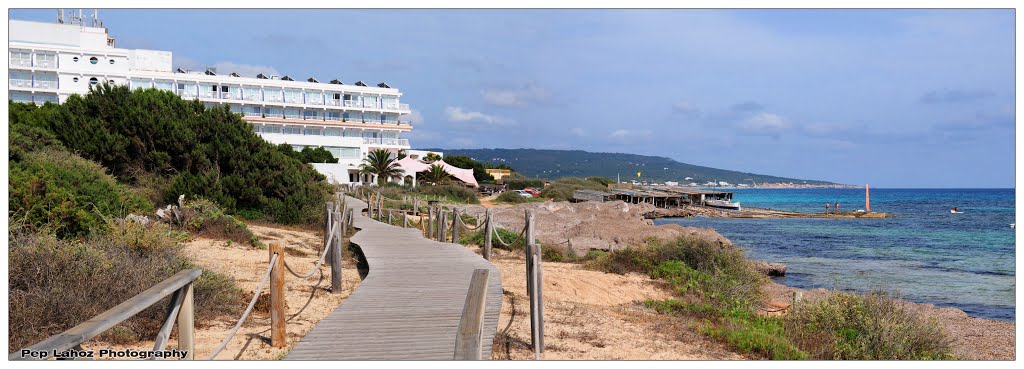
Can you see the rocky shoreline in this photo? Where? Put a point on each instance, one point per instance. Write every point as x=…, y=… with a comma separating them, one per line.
x=749, y=212
x=611, y=225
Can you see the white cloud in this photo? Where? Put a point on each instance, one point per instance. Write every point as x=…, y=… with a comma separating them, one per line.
x=629, y=133
x=458, y=115
x=415, y=118
x=515, y=97
x=765, y=124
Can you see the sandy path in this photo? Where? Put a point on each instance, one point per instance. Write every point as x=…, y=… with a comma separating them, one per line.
x=308, y=300
x=591, y=315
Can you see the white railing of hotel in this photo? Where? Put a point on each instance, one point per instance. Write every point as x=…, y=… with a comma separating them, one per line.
x=46, y=64
x=45, y=84
x=26, y=83
x=385, y=141
x=21, y=63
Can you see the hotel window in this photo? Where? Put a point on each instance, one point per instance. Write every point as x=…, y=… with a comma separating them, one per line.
x=343, y=152
x=272, y=95
x=75, y=59
x=164, y=85
x=270, y=128
x=237, y=109
x=314, y=98
x=333, y=115
x=311, y=114
x=93, y=81
x=138, y=83
x=291, y=130
x=273, y=112
x=298, y=147
x=46, y=60
x=333, y=132
x=352, y=133
x=21, y=58
x=251, y=93
x=252, y=111
x=293, y=96
x=93, y=60
x=312, y=132
x=390, y=102
x=293, y=113
x=21, y=97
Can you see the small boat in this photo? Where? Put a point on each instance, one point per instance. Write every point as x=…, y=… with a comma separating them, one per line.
x=723, y=204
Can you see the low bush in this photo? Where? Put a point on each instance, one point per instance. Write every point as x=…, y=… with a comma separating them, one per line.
x=873, y=326
x=512, y=197
x=454, y=193
x=203, y=217
x=562, y=189
x=66, y=194
x=56, y=284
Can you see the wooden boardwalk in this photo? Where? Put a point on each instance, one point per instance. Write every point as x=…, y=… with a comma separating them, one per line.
x=409, y=305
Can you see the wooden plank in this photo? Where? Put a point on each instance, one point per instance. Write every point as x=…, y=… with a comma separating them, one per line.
x=278, y=312
x=187, y=323
x=411, y=304
x=100, y=323
x=471, y=324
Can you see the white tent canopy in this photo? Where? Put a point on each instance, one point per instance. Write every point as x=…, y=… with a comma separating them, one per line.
x=410, y=166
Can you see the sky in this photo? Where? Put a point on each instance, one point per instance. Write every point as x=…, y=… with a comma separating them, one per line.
x=894, y=98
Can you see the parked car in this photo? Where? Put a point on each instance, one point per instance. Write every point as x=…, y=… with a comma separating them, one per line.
x=523, y=193
x=532, y=191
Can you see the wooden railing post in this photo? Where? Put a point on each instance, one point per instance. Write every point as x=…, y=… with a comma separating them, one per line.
x=430, y=222
x=336, y=255
x=327, y=227
x=469, y=340
x=187, y=324
x=534, y=284
x=455, y=225
x=488, y=234
x=278, y=334
x=405, y=220
x=442, y=218
x=415, y=206
x=391, y=220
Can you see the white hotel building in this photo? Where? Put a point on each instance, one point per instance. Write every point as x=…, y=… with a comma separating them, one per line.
x=50, y=61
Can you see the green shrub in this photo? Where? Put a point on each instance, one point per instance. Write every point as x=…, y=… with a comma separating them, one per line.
x=56, y=284
x=873, y=326
x=453, y=193
x=203, y=217
x=563, y=188
x=68, y=195
x=198, y=152
x=512, y=197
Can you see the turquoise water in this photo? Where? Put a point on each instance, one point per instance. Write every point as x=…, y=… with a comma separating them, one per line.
x=925, y=253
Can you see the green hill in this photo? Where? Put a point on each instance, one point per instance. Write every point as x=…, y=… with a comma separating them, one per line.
x=577, y=163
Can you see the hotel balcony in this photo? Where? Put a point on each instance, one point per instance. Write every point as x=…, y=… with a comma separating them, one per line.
x=21, y=63
x=45, y=64
x=385, y=141
x=47, y=85
x=22, y=83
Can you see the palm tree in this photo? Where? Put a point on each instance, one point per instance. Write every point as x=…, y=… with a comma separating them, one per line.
x=431, y=157
x=380, y=163
x=435, y=175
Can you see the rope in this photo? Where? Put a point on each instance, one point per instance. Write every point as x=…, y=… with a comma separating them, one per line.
x=248, y=309
x=319, y=262
x=502, y=242
x=464, y=225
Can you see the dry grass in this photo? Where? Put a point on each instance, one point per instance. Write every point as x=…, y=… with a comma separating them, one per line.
x=873, y=326
x=57, y=284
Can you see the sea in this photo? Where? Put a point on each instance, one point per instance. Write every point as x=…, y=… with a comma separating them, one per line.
x=924, y=254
